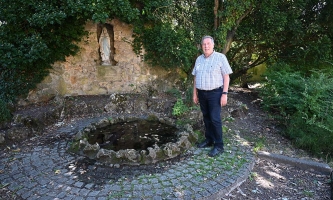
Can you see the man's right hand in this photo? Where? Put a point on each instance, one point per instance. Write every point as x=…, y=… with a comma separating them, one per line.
x=195, y=99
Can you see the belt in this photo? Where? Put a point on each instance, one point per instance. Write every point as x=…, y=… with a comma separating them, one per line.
x=211, y=90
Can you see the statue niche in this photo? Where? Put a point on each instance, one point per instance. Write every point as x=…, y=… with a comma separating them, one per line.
x=106, y=44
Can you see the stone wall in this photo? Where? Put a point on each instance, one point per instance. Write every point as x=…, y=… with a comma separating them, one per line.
x=83, y=74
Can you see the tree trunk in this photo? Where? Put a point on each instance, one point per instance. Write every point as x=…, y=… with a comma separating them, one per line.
x=216, y=20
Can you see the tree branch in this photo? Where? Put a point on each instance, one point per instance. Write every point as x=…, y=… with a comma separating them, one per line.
x=231, y=33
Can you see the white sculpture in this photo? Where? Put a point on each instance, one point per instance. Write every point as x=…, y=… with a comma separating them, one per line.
x=104, y=47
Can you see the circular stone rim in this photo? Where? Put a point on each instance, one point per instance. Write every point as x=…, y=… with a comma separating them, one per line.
x=185, y=140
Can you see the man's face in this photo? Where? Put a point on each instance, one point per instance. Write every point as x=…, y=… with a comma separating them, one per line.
x=207, y=46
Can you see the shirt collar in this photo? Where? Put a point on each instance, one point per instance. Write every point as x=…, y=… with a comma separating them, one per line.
x=209, y=55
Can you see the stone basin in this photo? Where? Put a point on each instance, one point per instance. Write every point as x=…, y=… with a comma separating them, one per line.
x=131, y=140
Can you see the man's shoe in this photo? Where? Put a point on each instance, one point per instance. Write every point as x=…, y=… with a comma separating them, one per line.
x=215, y=151
x=204, y=144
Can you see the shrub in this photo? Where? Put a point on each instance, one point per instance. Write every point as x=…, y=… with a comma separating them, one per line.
x=179, y=108
x=4, y=112
x=170, y=47
x=184, y=99
x=303, y=104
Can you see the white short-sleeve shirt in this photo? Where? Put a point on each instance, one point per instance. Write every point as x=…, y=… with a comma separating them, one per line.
x=209, y=71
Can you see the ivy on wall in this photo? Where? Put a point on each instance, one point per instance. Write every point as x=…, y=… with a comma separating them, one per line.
x=36, y=33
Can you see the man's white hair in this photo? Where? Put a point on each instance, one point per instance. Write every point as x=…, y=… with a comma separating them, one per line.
x=207, y=36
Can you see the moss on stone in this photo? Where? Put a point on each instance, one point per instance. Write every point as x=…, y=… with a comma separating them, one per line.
x=152, y=118
x=74, y=147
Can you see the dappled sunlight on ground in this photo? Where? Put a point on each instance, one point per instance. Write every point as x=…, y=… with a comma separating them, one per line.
x=275, y=175
x=263, y=182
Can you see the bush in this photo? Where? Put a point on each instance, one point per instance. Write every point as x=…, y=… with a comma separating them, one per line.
x=179, y=108
x=4, y=112
x=170, y=48
x=303, y=104
x=184, y=99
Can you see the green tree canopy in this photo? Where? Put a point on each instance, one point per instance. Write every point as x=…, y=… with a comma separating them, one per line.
x=36, y=33
x=250, y=32
x=270, y=30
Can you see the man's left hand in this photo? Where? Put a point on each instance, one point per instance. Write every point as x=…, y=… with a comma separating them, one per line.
x=224, y=99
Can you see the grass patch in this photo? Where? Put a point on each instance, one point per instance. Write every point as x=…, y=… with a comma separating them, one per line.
x=252, y=176
x=258, y=143
x=201, y=136
x=308, y=193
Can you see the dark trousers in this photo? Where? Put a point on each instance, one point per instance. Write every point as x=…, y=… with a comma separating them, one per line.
x=211, y=109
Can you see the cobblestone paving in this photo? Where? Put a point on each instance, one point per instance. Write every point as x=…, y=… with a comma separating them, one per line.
x=50, y=172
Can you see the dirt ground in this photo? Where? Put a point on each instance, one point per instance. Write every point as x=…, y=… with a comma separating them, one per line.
x=269, y=179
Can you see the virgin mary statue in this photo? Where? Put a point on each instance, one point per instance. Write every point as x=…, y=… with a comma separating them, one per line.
x=104, y=47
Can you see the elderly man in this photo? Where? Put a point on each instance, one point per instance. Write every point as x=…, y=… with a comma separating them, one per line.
x=210, y=88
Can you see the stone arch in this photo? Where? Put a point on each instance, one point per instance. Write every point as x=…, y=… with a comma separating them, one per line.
x=110, y=30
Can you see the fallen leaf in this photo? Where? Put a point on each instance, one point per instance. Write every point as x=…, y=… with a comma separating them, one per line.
x=16, y=150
